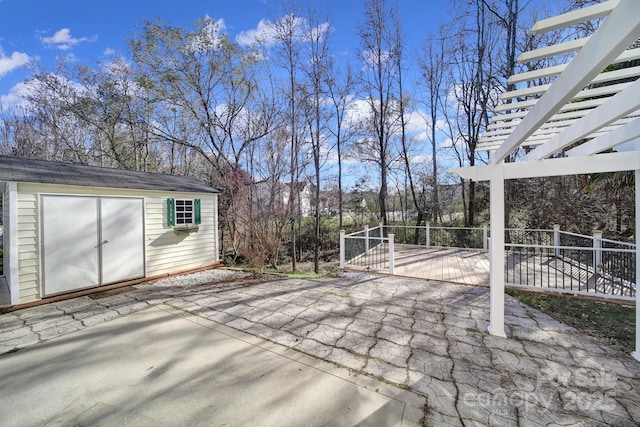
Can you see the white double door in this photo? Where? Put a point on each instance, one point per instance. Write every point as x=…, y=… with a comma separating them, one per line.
x=90, y=241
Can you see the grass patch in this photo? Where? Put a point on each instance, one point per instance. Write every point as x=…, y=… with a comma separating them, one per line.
x=612, y=322
x=304, y=270
x=336, y=294
x=305, y=275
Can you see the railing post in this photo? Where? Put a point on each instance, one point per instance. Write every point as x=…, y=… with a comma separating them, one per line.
x=342, y=251
x=428, y=233
x=597, y=251
x=366, y=239
x=391, y=253
x=485, y=237
x=556, y=239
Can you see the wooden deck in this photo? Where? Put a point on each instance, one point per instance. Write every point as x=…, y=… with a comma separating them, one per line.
x=471, y=267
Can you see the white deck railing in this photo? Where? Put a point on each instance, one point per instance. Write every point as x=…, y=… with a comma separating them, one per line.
x=552, y=259
x=370, y=249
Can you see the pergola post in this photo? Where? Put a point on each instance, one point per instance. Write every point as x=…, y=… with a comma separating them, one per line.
x=636, y=353
x=496, y=252
x=597, y=129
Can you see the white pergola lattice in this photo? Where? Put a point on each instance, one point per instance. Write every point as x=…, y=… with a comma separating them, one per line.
x=593, y=111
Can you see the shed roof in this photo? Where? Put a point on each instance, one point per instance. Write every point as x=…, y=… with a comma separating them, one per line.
x=18, y=169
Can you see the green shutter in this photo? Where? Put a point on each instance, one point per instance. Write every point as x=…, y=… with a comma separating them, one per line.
x=171, y=212
x=196, y=208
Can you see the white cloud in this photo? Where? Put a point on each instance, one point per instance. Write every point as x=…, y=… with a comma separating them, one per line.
x=358, y=111
x=20, y=93
x=63, y=40
x=10, y=63
x=267, y=32
x=15, y=97
x=109, y=51
x=421, y=159
x=319, y=32
x=264, y=32
x=416, y=122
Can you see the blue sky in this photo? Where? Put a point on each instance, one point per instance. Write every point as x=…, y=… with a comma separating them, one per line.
x=88, y=31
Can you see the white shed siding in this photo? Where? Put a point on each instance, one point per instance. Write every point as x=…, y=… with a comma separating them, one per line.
x=28, y=246
x=10, y=240
x=166, y=251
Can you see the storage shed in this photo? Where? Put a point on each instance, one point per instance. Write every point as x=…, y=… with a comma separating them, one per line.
x=70, y=227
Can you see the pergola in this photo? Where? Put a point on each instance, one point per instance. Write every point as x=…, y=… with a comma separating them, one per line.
x=586, y=121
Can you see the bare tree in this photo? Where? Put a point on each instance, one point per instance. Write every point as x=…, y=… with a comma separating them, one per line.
x=402, y=101
x=472, y=86
x=314, y=92
x=341, y=91
x=378, y=35
x=288, y=34
x=432, y=72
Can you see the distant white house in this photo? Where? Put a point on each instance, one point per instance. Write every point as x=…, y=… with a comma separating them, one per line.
x=70, y=227
x=302, y=198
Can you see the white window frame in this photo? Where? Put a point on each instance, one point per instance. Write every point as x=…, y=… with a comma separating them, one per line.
x=182, y=214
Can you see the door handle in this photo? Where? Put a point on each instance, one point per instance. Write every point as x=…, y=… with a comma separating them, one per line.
x=106, y=241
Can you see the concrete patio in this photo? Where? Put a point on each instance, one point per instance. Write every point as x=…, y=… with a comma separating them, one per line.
x=424, y=337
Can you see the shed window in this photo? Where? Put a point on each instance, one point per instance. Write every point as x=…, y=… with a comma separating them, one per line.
x=182, y=212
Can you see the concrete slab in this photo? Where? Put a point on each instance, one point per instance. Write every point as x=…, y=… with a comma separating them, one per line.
x=161, y=366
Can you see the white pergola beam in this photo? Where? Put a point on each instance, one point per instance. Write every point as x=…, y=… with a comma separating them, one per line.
x=510, y=125
x=618, y=31
x=601, y=78
x=574, y=17
x=602, y=90
x=611, y=139
x=608, y=162
x=536, y=74
x=559, y=121
x=628, y=146
x=528, y=91
x=493, y=141
x=572, y=106
x=623, y=73
x=616, y=107
x=627, y=55
x=502, y=133
x=515, y=105
x=553, y=50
